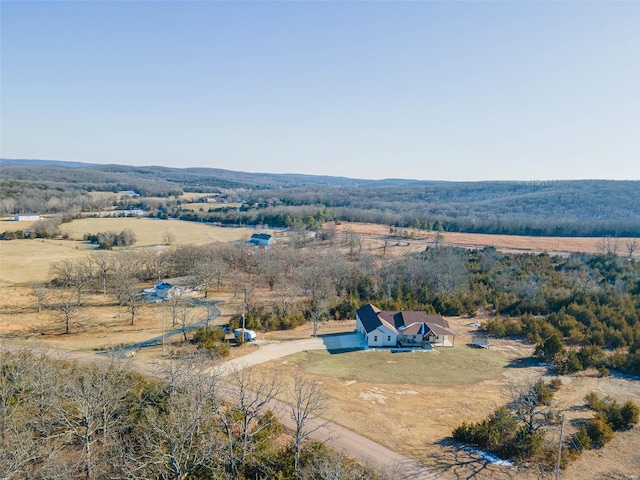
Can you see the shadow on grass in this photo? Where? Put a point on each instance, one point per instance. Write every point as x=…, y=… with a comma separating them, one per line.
x=456, y=461
x=527, y=362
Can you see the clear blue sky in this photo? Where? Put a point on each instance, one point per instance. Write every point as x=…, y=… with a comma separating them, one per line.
x=425, y=90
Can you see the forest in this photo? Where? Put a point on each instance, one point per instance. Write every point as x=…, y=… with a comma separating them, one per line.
x=550, y=208
x=61, y=419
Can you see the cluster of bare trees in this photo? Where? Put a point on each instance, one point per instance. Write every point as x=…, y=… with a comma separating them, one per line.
x=304, y=283
x=62, y=419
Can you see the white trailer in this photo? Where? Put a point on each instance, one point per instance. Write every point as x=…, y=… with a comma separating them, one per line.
x=249, y=335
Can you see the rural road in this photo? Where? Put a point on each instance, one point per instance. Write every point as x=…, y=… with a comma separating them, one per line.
x=210, y=306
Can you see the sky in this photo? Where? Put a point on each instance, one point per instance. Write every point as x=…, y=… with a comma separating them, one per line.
x=458, y=90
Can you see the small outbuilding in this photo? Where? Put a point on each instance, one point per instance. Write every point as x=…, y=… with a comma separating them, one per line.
x=26, y=217
x=261, y=240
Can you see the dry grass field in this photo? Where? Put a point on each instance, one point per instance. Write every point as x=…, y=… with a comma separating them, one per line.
x=513, y=243
x=150, y=232
x=25, y=261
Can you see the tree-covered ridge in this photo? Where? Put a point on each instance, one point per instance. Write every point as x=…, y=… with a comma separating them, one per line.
x=562, y=208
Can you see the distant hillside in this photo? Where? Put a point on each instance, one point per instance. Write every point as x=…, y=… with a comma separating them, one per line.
x=575, y=208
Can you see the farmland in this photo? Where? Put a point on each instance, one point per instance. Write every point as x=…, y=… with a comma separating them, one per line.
x=445, y=386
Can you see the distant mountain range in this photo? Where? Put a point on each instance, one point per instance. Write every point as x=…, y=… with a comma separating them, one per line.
x=563, y=207
x=186, y=174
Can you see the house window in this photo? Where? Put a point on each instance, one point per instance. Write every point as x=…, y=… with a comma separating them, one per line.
x=388, y=338
x=375, y=338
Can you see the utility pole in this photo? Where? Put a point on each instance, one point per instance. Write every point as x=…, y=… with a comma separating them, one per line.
x=242, y=330
x=163, y=328
x=560, y=449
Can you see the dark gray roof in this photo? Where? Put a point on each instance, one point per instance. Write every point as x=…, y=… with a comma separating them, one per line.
x=368, y=316
x=261, y=236
x=408, y=322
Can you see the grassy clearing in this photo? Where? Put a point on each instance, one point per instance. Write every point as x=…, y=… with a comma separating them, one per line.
x=151, y=232
x=458, y=365
x=416, y=399
x=25, y=261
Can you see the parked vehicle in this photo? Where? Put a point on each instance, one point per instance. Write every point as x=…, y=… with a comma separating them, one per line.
x=249, y=335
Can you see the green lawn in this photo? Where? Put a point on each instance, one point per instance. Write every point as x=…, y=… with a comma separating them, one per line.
x=457, y=365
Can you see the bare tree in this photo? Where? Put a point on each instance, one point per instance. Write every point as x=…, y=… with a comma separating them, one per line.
x=242, y=421
x=208, y=272
x=74, y=274
x=353, y=241
x=90, y=407
x=41, y=294
x=182, y=437
x=607, y=245
x=528, y=401
x=157, y=264
x=13, y=386
x=307, y=401
x=168, y=238
x=66, y=308
x=631, y=245
x=103, y=264
x=126, y=285
x=185, y=313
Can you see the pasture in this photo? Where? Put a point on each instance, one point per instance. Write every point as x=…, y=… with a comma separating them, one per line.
x=27, y=261
x=378, y=234
x=150, y=232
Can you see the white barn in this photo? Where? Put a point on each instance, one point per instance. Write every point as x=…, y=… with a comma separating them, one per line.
x=26, y=217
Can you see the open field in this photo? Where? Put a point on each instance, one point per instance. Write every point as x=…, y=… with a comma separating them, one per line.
x=515, y=243
x=8, y=224
x=25, y=261
x=150, y=232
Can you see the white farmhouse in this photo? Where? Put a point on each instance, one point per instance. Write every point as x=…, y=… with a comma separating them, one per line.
x=402, y=329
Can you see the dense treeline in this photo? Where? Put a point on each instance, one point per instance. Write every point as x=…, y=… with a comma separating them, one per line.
x=61, y=420
x=557, y=208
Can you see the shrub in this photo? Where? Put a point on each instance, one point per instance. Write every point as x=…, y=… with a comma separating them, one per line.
x=599, y=431
x=213, y=341
x=581, y=439
x=630, y=414
x=555, y=384
x=618, y=417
